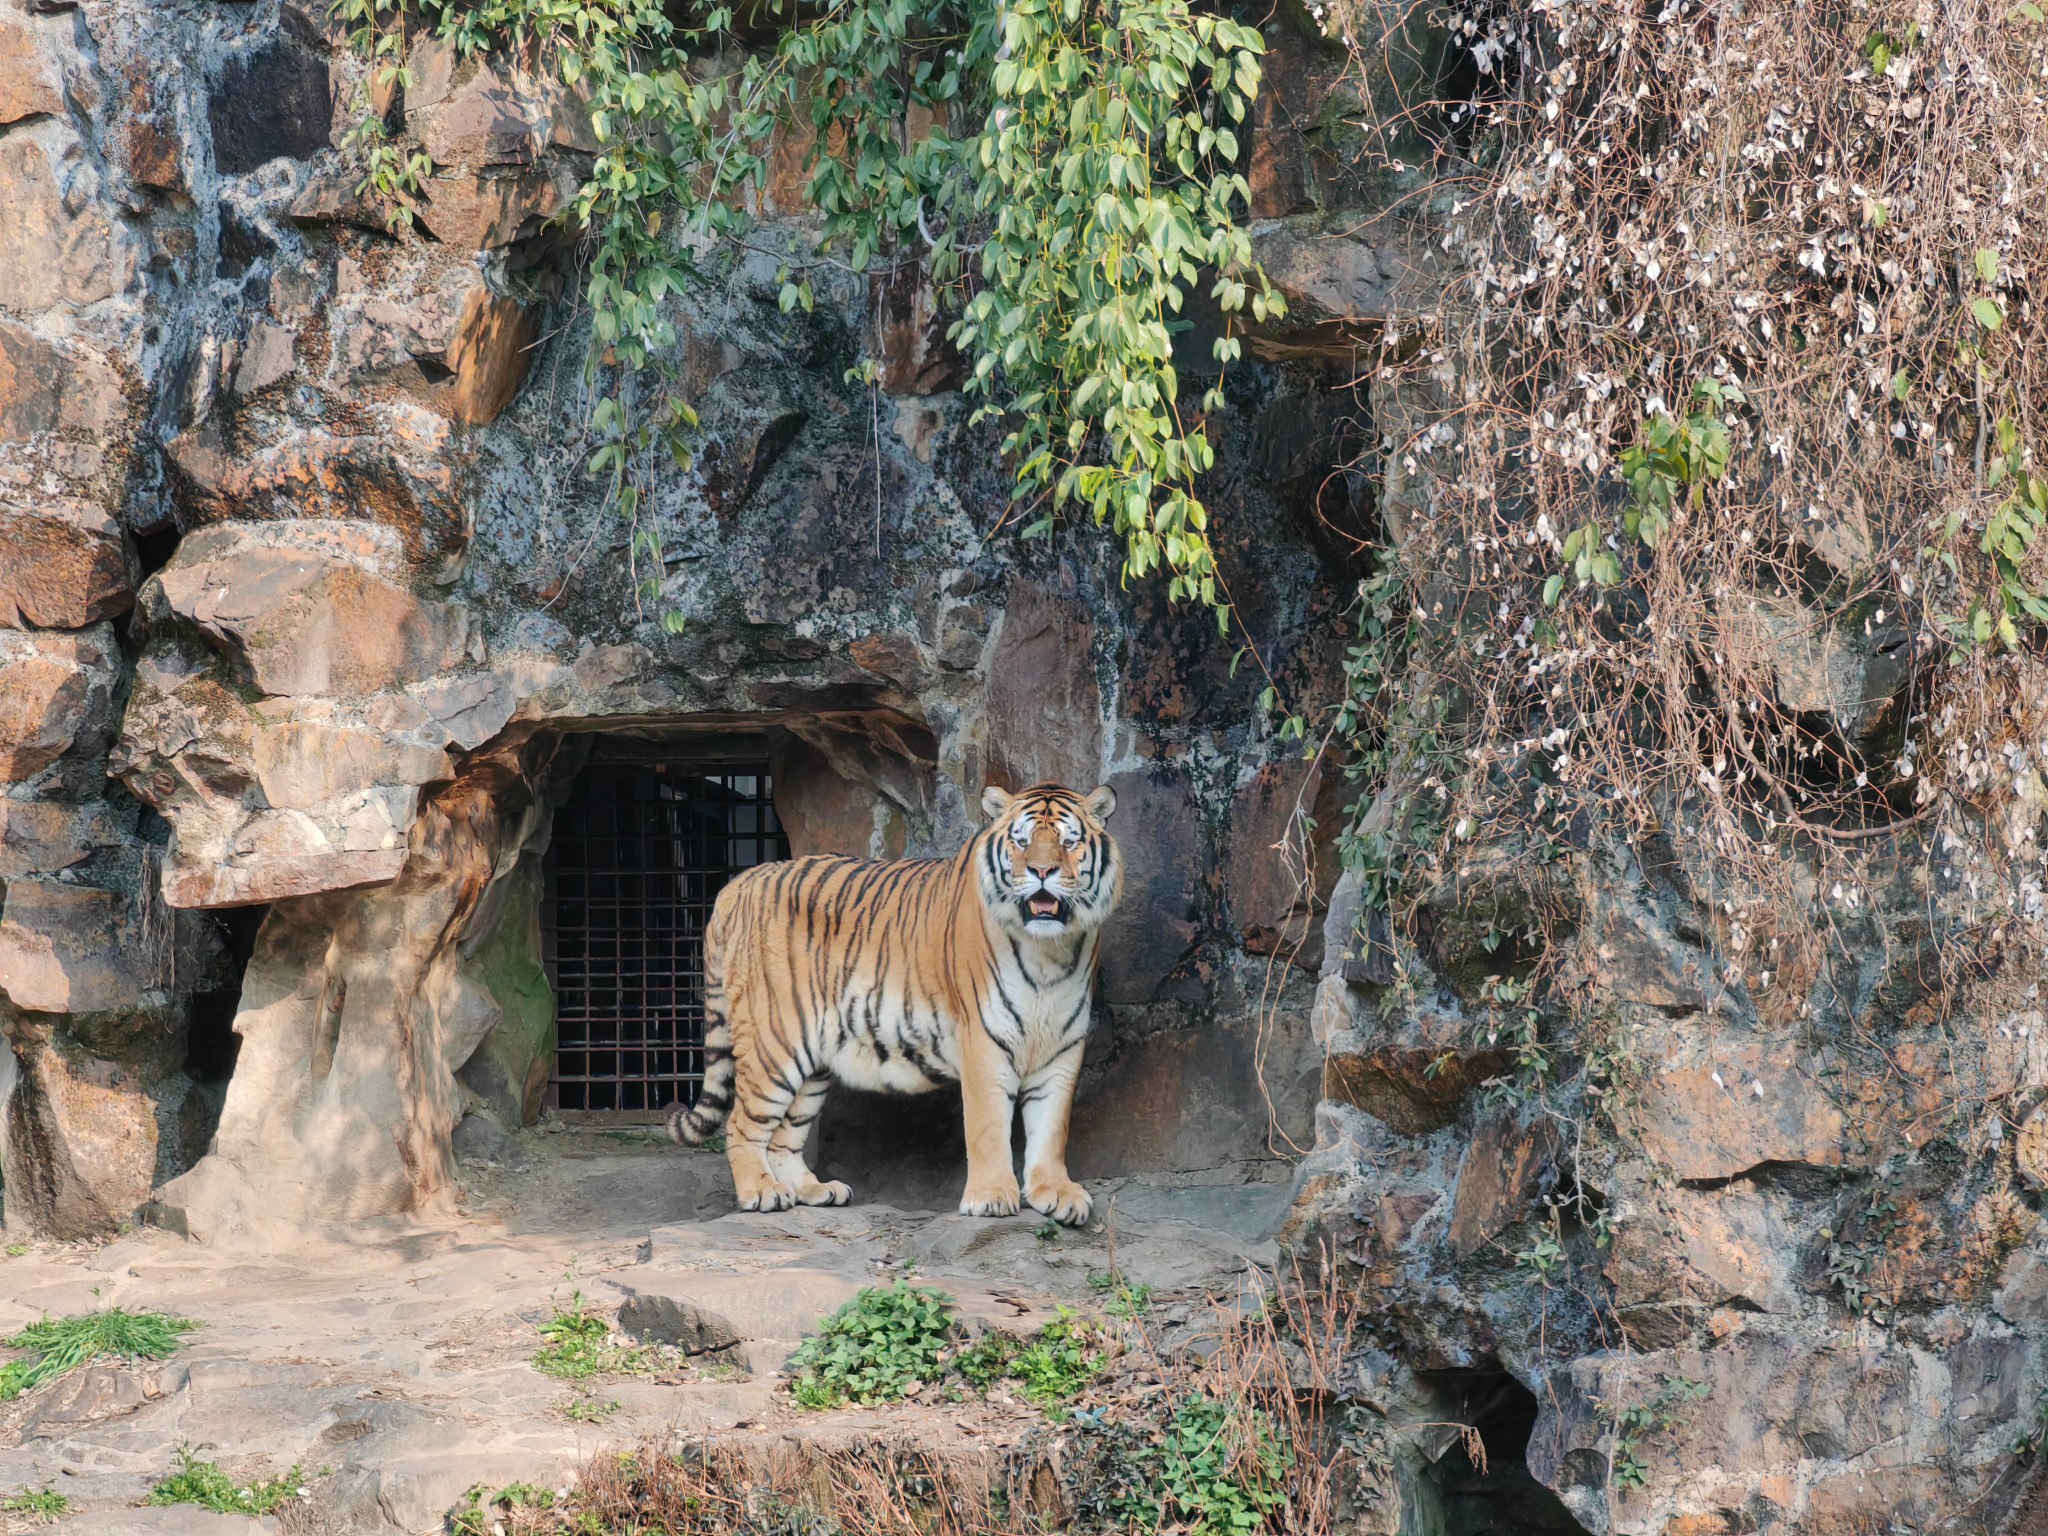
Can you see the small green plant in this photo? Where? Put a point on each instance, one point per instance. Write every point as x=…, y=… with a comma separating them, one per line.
x=878, y=1348
x=1214, y=1472
x=1053, y=1366
x=45, y=1503
x=580, y=1345
x=1636, y=1423
x=17, y=1250
x=1129, y=1301
x=586, y=1409
x=1670, y=465
x=1544, y=1257
x=2019, y=592
x=476, y=1514
x=205, y=1484
x=60, y=1345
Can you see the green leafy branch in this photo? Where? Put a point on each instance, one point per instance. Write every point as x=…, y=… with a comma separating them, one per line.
x=1669, y=466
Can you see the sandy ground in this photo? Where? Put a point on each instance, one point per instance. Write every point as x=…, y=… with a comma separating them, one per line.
x=393, y=1365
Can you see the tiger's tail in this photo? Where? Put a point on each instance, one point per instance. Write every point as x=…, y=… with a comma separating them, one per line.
x=691, y=1125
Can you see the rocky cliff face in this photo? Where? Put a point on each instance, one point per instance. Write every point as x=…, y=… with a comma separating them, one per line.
x=308, y=614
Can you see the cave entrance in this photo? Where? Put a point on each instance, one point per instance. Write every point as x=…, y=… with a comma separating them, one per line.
x=640, y=850
x=1493, y=1493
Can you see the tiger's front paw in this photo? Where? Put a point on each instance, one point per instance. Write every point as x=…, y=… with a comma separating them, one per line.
x=825, y=1192
x=772, y=1195
x=995, y=1197
x=1062, y=1199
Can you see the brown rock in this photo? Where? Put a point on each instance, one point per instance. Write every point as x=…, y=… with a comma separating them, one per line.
x=80, y=1140
x=824, y=811
x=485, y=120
x=149, y=136
x=69, y=949
x=1498, y=1180
x=916, y=357
x=49, y=253
x=302, y=764
x=45, y=387
x=63, y=565
x=1710, y=1122
x=1158, y=826
x=490, y=355
x=1709, y=1247
x=310, y=622
x=474, y=211
x=56, y=692
x=30, y=85
x=43, y=836
x=2031, y=1148
x=1044, y=713
x=1281, y=870
x=331, y=197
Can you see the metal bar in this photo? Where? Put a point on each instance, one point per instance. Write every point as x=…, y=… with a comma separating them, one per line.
x=638, y=856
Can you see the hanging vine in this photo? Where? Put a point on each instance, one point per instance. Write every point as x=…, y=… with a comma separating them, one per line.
x=1070, y=184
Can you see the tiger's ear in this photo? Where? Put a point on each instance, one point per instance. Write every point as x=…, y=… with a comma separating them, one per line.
x=994, y=802
x=1101, y=802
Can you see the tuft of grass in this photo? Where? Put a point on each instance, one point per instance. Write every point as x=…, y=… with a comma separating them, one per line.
x=881, y=1347
x=59, y=1345
x=580, y=1345
x=587, y=1409
x=205, y=1484
x=1053, y=1366
x=17, y=1250
x=45, y=1503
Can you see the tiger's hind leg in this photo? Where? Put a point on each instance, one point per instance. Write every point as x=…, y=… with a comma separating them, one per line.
x=786, y=1147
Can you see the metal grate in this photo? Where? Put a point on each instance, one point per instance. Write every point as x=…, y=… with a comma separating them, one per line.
x=638, y=855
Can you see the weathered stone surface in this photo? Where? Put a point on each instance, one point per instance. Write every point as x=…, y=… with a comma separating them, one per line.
x=1282, y=863
x=31, y=84
x=58, y=243
x=482, y=211
x=302, y=764
x=1822, y=1434
x=272, y=99
x=1154, y=926
x=267, y=357
x=673, y=1320
x=1504, y=1168
x=1709, y=1247
x=485, y=120
x=1339, y=290
x=1044, y=711
x=45, y=387
x=309, y=620
x=392, y=472
x=64, y=564
x=56, y=694
x=78, y=1138
x=489, y=355
x=333, y=1112
x=43, y=836
x=70, y=948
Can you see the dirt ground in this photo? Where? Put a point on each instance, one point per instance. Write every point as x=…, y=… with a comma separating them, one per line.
x=393, y=1365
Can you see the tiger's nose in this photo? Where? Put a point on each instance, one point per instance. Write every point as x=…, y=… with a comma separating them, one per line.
x=1043, y=874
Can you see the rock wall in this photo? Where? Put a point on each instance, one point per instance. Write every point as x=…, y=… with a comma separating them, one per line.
x=306, y=604
x=310, y=606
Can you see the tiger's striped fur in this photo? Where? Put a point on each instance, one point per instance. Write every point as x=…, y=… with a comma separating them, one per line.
x=905, y=975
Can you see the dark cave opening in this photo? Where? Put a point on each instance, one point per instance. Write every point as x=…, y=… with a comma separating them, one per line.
x=1493, y=1493
x=211, y=1044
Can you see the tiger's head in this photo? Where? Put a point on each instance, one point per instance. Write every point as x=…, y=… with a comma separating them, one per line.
x=1048, y=869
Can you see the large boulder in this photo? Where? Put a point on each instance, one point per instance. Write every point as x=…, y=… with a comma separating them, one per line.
x=64, y=564
x=56, y=696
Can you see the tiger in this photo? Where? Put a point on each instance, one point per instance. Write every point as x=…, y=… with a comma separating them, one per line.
x=903, y=975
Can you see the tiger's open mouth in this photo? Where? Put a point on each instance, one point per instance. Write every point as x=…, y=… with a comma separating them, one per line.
x=1044, y=904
